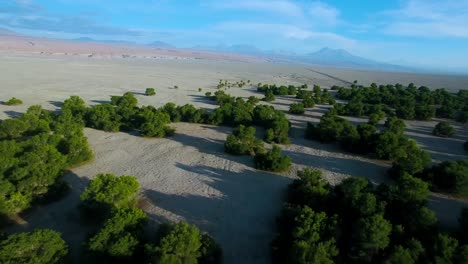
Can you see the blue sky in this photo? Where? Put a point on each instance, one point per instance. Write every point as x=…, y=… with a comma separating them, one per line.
x=430, y=33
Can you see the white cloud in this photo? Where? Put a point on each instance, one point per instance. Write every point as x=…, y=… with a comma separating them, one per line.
x=287, y=31
x=324, y=13
x=429, y=18
x=283, y=7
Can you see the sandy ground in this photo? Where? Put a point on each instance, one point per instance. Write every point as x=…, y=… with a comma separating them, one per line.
x=188, y=176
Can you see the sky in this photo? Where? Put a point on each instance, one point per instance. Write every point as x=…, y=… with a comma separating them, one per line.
x=429, y=33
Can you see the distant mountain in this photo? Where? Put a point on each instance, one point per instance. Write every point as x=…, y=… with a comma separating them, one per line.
x=87, y=39
x=342, y=58
x=7, y=32
x=237, y=48
x=160, y=44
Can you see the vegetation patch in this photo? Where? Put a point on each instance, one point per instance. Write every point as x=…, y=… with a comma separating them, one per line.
x=13, y=101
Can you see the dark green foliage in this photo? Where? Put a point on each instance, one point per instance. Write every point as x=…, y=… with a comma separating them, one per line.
x=183, y=243
x=308, y=102
x=443, y=129
x=243, y=141
x=154, y=123
x=189, y=113
x=274, y=121
x=409, y=102
x=449, y=176
x=13, y=101
x=354, y=222
x=42, y=246
x=103, y=117
x=272, y=160
x=119, y=237
x=173, y=111
x=410, y=160
x=277, y=90
x=107, y=192
x=296, y=108
x=310, y=189
x=208, y=94
x=34, y=150
x=150, y=92
x=253, y=100
x=76, y=106
x=269, y=96
x=395, y=125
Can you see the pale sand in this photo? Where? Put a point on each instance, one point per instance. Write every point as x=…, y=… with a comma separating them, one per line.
x=188, y=176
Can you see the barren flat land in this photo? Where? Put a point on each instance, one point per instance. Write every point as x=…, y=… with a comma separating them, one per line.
x=188, y=176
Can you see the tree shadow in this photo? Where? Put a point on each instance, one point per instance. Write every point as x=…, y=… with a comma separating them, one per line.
x=56, y=103
x=62, y=215
x=441, y=149
x=202, y=99
x=238, y=209
x=101, y=101
x=13, y=114
x=375, y=173
x=138, y=93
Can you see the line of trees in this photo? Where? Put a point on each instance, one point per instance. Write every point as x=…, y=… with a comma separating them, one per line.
x=355, y=222
x=242, y=141
x=109, y=203
x=35, y=149
x=407, y=102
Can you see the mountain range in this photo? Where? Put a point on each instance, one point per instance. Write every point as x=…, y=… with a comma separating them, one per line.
x=323, y=57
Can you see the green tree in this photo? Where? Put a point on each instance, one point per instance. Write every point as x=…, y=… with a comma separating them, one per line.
x=296, y=108
x=272, y=160
x=371, y=235
x=150, y=92
x=269, y=96
x=13, y=101
x=243, y=141
x=120, y=235
x=107, y=191
x=42, y=246
x=182, y=244
x=312, y=241
x=443, y=129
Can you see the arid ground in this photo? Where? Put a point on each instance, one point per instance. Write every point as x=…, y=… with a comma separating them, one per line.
x=188, y=176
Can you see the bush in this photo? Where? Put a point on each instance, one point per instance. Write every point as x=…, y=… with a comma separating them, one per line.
x=120, y=236
x=296, y=108
x=154, y=123
x=13, y=101
x=43, y=246
x=269, y=96
x=308, y=102
x=150, y=92
x=243, y=141
x=183, y=243
x=449, y=176
x=208, y=94
x=443, y=129
x=272, y=160
x=253, y=100
x=103, y=117
x=107, y=192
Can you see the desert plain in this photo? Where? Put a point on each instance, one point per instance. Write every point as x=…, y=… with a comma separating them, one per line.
x=188, y=176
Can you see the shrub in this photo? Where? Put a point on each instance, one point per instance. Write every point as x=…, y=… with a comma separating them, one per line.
x=13, y=101
x=253, y=100
x=208, y=94
x=150, y=92
x=269, y=96
x=107, y=191
x=296, y=108
x=43, y=246
x=76, y=106
x=443, y=129
x=120, y=235
x=183, y=243
x=103, y=117
x=272, y=160
x=243, y=141
x=154, y=123
x=308, y=102
x=449, y=176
